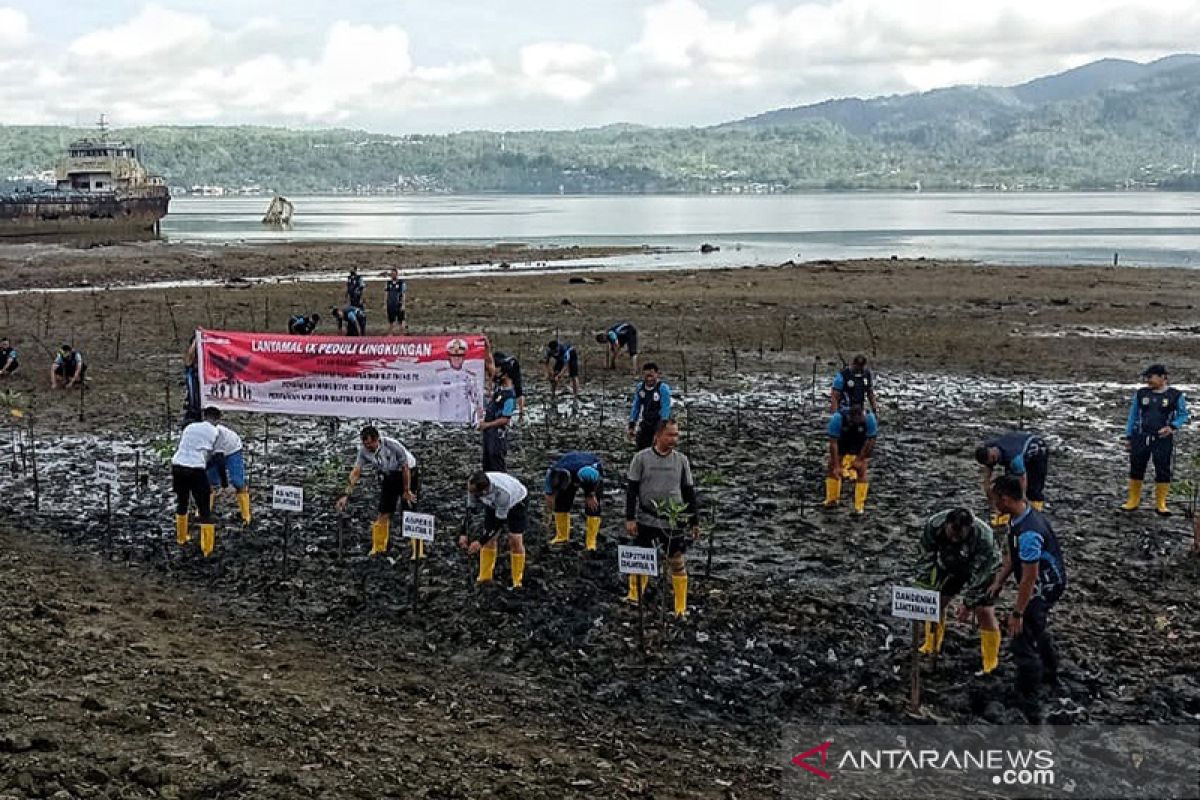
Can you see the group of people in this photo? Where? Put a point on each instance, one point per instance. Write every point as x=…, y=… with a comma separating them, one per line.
x=958, y=552
x=67, y=367
x=351, y=317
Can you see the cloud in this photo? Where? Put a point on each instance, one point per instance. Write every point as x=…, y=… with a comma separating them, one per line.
x=156, y=31
x=566, y=70
x=677, y=62
x=14, y=29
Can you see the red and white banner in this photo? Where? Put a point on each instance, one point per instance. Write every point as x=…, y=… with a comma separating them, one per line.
x=430, y=378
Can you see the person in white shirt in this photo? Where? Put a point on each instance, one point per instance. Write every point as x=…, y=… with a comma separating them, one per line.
x=189, y=478
x=505, y=506
x=398, y=468
x=227, y=466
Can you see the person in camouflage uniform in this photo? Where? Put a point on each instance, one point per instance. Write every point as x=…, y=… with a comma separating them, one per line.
x=958, y=555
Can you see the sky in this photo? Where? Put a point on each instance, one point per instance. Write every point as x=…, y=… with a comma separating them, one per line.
x=419, y=66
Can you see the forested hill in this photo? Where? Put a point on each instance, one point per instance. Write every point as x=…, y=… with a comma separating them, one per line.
x=1111, y=124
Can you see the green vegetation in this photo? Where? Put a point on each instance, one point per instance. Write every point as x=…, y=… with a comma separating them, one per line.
x=1122, y=135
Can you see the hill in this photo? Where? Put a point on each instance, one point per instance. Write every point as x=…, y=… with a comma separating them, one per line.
x=1109, y=124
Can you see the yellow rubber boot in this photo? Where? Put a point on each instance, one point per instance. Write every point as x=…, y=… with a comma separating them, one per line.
x=679, y=584
x=833, y=491
x=632, y=597
x=1038, y=505
x=562, y=528
x=418, y=549
x=593, y=530
x=487, y=564
x=860, y=497
x=933, y=639
x=517, y=567
x=989, y=646
x=1000, y=519
x=1135, y=496
x=379, y=536
x=181, y=529
x=1161, y=490
x=243, y=501
x=208, y=538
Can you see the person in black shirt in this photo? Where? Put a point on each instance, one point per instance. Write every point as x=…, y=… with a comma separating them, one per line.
x=505, y=364
x=396, y=290
x=355, y=289
x=8, y=357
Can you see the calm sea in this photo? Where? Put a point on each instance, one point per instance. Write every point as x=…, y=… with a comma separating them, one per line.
x=1144, y=228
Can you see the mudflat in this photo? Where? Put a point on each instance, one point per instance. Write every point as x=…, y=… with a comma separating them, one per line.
x=132, y=667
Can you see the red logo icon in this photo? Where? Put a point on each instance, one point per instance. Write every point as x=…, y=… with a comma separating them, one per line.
x=821, y=750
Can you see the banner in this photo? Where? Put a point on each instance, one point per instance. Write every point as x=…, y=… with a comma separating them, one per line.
x=428, y=378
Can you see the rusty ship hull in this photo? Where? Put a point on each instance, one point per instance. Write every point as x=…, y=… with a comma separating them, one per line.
x=53, y=213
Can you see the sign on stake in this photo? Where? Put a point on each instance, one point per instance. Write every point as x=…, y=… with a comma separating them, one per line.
x=917, y=605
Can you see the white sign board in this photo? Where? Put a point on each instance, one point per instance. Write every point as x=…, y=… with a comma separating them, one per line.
x=637, y=560
x=911, y=603
x=418, y=526
x=287, y=498
x=106, y=472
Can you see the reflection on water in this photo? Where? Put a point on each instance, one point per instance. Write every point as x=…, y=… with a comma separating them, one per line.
x=1147, y=228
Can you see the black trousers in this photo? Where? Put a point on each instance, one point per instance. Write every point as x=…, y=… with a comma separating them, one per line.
x=495, y=450
x=191, y=482
x=1033, y=651
x=1035, y=474
x=565, y=498
x=644, y=437
x=1143, y=448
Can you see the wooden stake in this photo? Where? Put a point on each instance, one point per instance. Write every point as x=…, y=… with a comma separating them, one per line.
x=915, y=696
x=37, y=487
x=120, y=323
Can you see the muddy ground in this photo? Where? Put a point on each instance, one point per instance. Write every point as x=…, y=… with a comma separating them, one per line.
x=132, y=668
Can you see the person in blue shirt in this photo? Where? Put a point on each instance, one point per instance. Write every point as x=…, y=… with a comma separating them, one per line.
x=651, y=405
x=1034, y=557
x=621, y=335
x=561, y=360
x=1156, y=413
x=852, y=434
x=496, y=416
x=1023, y=454
x=854, y=385
x=352, y=318
x=574, y=471
x=304, y=324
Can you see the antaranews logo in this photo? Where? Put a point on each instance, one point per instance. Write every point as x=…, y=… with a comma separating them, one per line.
x=822, y=750
x=1008, y=767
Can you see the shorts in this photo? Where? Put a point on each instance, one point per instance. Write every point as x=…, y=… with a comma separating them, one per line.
x=231, y=472
x=631, y=345
x=515, y=522
x=391, y=490
x=651, y=536
x=395, y=314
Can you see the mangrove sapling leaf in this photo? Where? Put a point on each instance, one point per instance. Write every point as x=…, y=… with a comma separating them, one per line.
x=672, y=510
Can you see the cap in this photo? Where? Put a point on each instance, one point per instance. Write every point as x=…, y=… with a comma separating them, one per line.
x=1155, y=369
x=589, y=475
x=456, y=347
